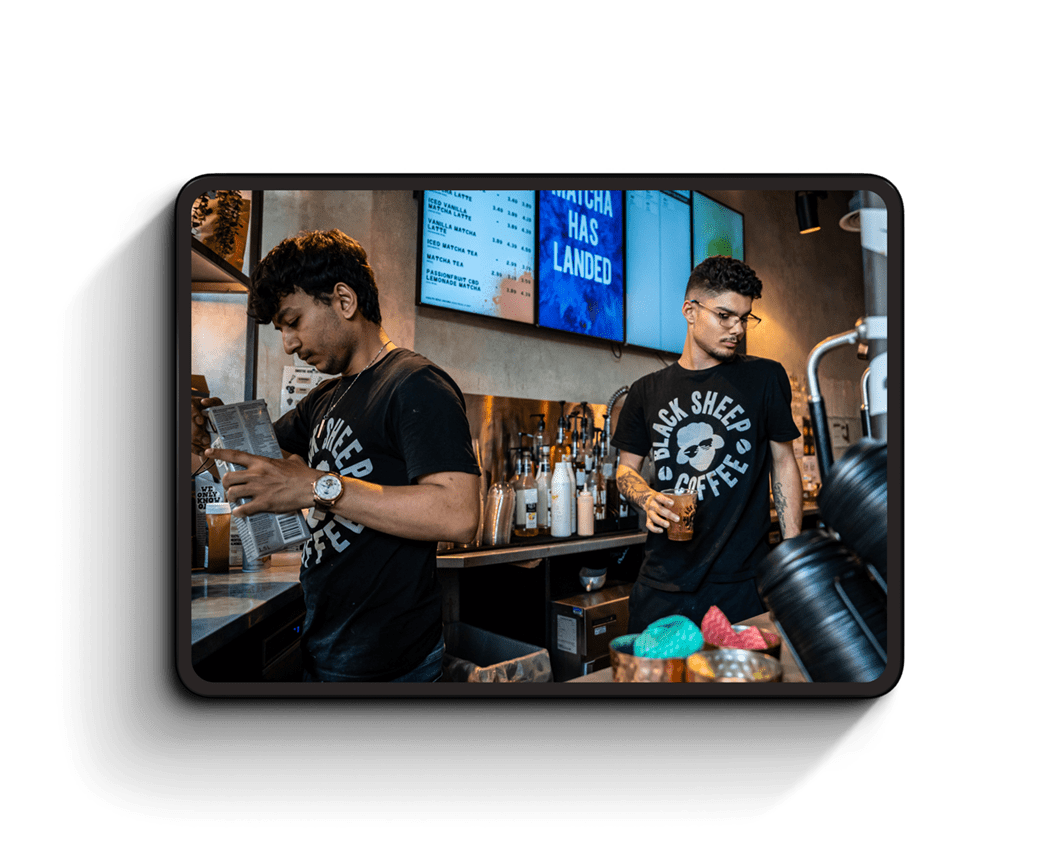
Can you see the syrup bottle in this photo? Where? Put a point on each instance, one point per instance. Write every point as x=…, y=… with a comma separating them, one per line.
x=526, y=498
x=542, y=482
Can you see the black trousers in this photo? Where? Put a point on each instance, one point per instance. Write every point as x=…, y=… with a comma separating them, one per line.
x=738, y=601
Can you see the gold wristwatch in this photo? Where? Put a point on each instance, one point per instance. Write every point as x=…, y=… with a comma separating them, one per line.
x=327, y=489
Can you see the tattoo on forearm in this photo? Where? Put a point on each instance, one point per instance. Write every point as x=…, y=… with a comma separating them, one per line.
x=633, y=486
x=781, y=505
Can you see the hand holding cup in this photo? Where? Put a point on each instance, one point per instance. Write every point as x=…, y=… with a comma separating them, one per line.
x=684, y=505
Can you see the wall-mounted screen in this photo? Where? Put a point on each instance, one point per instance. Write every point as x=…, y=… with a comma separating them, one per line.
x=611, y=265
x=580, y=262
x=659, y=259
x=717, y=229
x=477, y=253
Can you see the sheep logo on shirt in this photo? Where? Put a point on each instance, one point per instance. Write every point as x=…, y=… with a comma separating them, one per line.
x=697, y=445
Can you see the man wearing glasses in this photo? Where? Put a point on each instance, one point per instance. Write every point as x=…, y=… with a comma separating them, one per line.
x=719, y=425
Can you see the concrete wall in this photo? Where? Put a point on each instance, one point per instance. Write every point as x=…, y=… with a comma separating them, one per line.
x=813, y=288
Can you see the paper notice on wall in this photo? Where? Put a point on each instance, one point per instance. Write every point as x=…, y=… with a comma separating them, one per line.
x=296, y=383
x=845, y=431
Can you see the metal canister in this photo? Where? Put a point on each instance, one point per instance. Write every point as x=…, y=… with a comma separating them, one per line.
x=498, y=516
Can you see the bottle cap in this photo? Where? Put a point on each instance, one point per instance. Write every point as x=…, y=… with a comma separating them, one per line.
x=218, y=508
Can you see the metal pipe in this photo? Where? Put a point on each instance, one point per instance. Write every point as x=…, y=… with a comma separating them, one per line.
x=864, y=409
x=250, y=370
x=819, y=423
x=876, y=295
x=821, y=348
x=870, y=329
x=608, y=416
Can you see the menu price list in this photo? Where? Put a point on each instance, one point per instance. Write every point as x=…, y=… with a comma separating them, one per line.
x=478, y=252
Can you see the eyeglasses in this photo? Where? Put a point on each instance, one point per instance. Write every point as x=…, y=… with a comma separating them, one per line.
x=727, y=319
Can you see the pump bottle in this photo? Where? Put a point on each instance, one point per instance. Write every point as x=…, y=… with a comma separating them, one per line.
x=542, y=483
x=519, y=515
x=539, y=439
x=560, y=494
x=567, y=463
x=579, y=454
x=526, y=498
x=562, y=445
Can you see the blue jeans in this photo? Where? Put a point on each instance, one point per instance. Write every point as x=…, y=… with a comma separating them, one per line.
x=430, y=669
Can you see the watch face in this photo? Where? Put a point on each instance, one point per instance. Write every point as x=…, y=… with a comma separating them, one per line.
x=328, y=487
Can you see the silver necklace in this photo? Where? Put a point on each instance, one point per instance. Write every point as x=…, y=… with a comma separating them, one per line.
x=335, y=400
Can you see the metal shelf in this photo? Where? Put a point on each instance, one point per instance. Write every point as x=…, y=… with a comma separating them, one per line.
x=212, y=274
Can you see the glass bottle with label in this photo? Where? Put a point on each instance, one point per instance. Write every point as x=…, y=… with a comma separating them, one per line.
x=599, y=493
x=586, y=441
x=518, y=515
x=542, y=482
x=579, y=452
x=562, y=444
x=573, y=495
x=540, y=447
x=526, y=498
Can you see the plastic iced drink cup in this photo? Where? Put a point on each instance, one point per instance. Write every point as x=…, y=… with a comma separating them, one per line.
x=685, y=505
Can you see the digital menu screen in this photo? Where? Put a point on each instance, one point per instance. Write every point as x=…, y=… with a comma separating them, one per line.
x=659, y=260
x=478, y=253
x=580, y=262
x=717, y=229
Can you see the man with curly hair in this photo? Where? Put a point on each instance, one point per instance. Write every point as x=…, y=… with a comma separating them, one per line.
x=382, y=456
x=719, y=424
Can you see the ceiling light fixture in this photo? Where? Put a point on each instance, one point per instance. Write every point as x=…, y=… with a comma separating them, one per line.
x=807, y=209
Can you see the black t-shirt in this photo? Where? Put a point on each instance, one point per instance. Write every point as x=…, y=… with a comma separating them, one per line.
x=373, y=609
x=710, y=429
